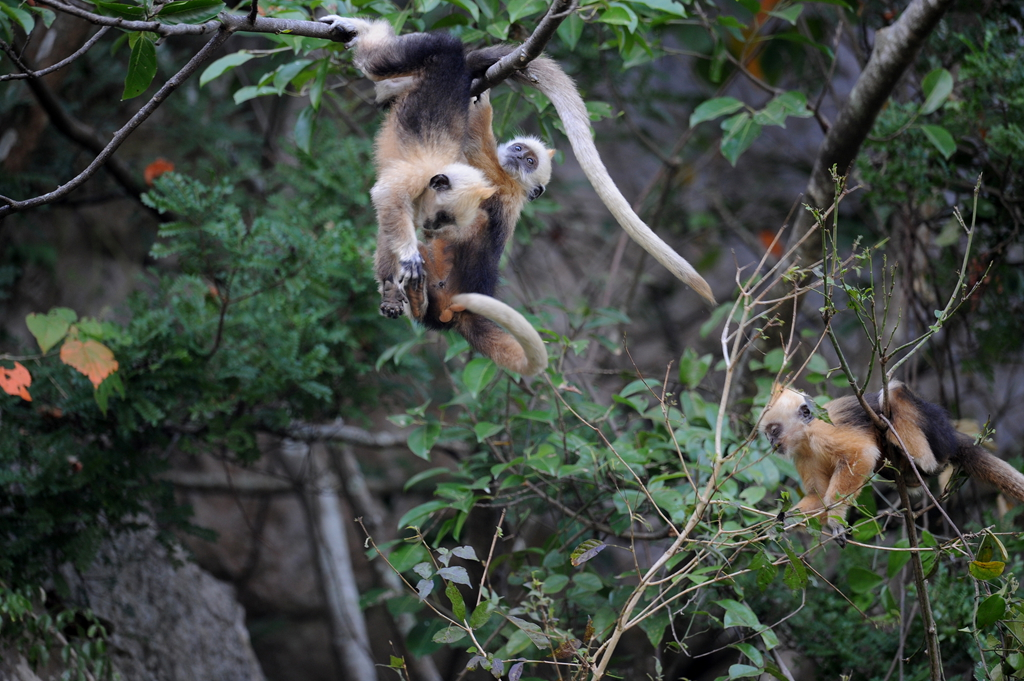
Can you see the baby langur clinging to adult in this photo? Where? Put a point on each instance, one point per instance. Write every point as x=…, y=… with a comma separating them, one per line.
x=461, y=274
x=422, y=176
x=547, y=76
x=835, y=460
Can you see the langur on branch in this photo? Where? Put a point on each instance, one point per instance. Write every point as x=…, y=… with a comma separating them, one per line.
x=835, y=460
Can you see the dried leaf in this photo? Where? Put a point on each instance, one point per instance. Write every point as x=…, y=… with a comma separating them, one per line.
x=92, y=358
x=585, y=551
x=16, y=381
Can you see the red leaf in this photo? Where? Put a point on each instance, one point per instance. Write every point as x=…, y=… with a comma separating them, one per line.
x=156, y=169
x=768, y=240
x=16, y=381
x=92, y=358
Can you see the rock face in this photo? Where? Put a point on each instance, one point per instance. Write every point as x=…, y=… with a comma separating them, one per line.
x=171, y=620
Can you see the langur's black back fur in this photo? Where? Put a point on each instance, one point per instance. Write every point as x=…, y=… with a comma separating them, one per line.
x=930, y=418
x=442, y=89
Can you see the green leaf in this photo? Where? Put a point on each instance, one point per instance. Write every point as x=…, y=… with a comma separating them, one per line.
x=692, y=369
x=713, y=108
x=485, y=430
x=738, y=614
x=666, y=6
x=141, y=67
x=50, y=329
x=986, y=570
x=937, y=86
x=449, y=635
x=654, y=625
x=481, y=615
x=991, y=610
x=469, y=6
x=23, y=18
x=862, y=580
x=940, y=139
x=244, y=94
x=752, y=653
x=424, y=475
x=790, y=14
x=48, y=15
x=190, y=11
x=316, y=90
x=554, y=584
x=786, y=105
x=423, y=438
x=619, y=15
x=991, y=549
x=517, y=9
x=458, y=605
x=405, y=557
x=570, y=30
x=740, y=132
x=416, y=516
x=222, y=66
x=766, y=570
x=795, y=576
x=456, y=573
x=532, y=631
x=304, y=124
x=743, y=671
x=284, y=75
x=897, y=559
x=119, y=9
x=478, y=374
x=108, y=387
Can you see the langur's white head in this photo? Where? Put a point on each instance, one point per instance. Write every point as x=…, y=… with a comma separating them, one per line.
x=785, y=419
x=529, y=162
x=452, y=199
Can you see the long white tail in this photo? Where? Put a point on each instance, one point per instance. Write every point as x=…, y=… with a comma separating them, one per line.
x=530, y=357
x=561, y=90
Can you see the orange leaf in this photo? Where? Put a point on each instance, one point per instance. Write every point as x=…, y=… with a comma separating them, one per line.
x=767, y=238
x=92, y=358
x=16, y=381
x=156, y=169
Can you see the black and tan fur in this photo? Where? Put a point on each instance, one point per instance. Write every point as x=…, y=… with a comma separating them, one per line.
x=547, y=76
x=835, y=460
x=466, y=211
x=423, y=179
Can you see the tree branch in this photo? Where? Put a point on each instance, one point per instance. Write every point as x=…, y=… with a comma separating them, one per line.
x=896, y=47
x=119, y=137
x=520, y=58
x=28, y=73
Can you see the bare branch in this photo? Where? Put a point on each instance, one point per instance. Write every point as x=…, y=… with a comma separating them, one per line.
x=520, y=58
x=119, y=137
x=231, y=22
x=28, y=73
x=896, y=47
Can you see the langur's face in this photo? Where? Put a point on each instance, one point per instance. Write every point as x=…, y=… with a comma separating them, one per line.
x=527, y=159
x=785, y=419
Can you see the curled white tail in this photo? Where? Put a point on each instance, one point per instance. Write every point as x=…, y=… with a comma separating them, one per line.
x=530, y=357
x=549, y=78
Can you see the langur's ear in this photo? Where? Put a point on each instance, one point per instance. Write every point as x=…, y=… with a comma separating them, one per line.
x=551, y=153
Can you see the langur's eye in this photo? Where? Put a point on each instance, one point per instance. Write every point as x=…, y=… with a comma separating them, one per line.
x=517, y=147
x=530, y=161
